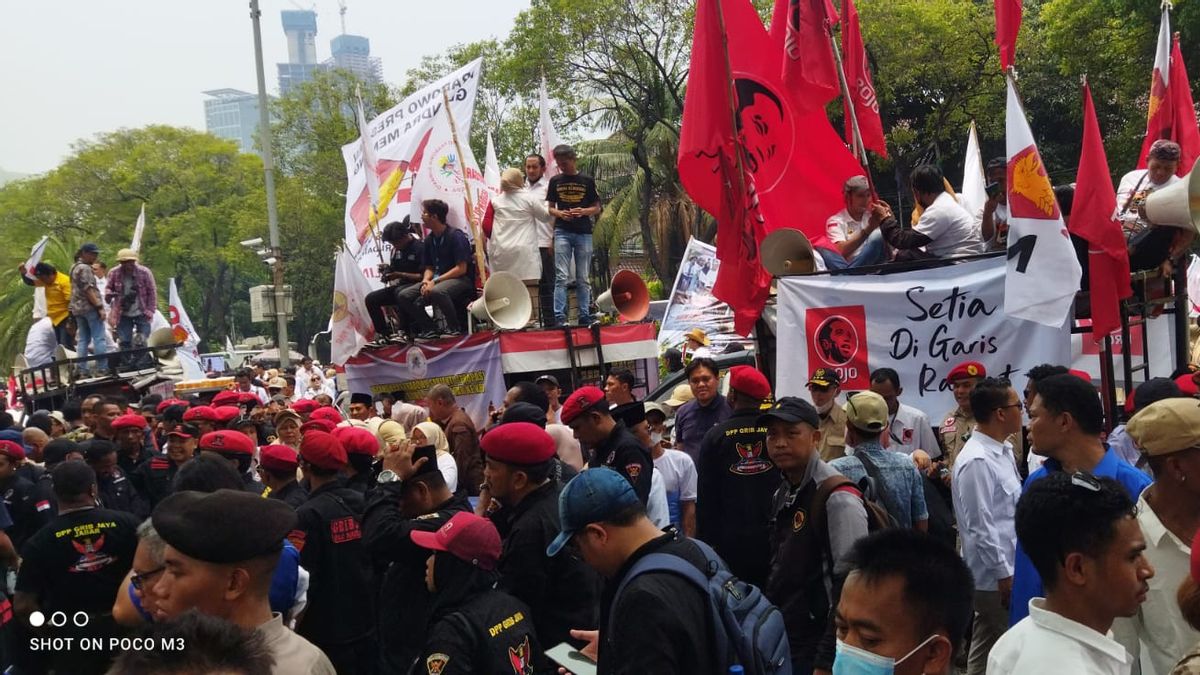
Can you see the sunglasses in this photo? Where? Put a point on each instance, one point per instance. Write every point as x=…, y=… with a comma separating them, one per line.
x=139, y=579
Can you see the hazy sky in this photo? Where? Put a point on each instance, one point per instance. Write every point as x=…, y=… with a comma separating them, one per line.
x=72, y=68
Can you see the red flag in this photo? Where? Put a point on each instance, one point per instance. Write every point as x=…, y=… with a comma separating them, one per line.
x=1092, y=219
x=858, y=79
x=1161, y=114
x=801, y=29
x=1186, y=132
x=1008, y=24
x=747, y=156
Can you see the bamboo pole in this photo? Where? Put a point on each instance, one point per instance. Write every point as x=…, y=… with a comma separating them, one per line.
x=475, y=232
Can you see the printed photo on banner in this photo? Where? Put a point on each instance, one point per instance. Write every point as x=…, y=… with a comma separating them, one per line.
x=692, y=304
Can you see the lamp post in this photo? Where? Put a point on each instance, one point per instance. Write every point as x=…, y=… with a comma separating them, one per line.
x=264, y=135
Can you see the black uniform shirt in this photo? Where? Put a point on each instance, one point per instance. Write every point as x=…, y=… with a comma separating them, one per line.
x=156, y=476
x=623, y=453
x=491, y=633
x=28, y=512
x=117, y=493
x=292, y=493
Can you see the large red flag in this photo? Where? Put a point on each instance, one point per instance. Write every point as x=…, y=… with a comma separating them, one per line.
x=1008, y=24
x=747, y=156
x=858, y=79
x=1161, y=114
x=1092, y=219
x=1186, y=132
x=801, y=28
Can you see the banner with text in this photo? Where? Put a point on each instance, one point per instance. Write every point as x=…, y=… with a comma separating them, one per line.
x=692, y=304
x=920, y=323
x=470, y=366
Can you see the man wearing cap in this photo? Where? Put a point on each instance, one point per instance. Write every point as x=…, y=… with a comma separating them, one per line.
x=277, y=465
x=131, y=296
x=676, y=470
x=404, y=270
x=561, y=591
x=328, y=534
x=660, y=622
x=475, y=627
x=707, y=408
x=157, y=474
x=130, y=432
x=853, y=234
x=116, y=490
x=549, y=384
x=27, y=512
x=226, y=571
x=824, y=387
x=460, y=434
x=609, y=444
x=573, y=203
x=237, y=450
x=86, y=303
x=958, y=424
x=736, y=481
x=410, y=496
x=895, y=475
x=76, y=565
x=1168, y=433
x=633, y=417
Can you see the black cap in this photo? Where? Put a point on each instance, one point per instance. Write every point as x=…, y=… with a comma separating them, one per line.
x=791, y=409
x=547, y=378
x=365, y=399
x=89, y=248
x=197, y=524
x=631, y=414
x=524, y=412
x=57, y=450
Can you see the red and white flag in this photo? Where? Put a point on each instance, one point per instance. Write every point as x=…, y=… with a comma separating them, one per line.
x=858, y=80
x=1186, y=132
x=351, y=327
x=491, y=166
x=181, y=323
x=1160, y=117
x=1043, y=273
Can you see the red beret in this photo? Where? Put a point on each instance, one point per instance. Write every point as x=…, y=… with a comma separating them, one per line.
x=304, y=406
x=518, y=443
x=749, y=381
x=357, y=441
x=12, y=449
x=1081, y=374
x=227, y=442
x=319, y=425
x=129, y=421
x=202, y=413
x=278, y=458
x=162, y=407
x=323, y=450
x=580, y=401
x=1186, y=385
x=326, y=412
x=226, y=397
x=226, y=413
x=248, y=397
x=967, y=369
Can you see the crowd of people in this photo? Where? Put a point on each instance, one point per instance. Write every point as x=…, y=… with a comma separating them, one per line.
x=271, y=533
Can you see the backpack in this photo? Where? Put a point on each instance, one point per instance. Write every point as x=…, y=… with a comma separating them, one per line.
x=874, y=492
x=747, y=629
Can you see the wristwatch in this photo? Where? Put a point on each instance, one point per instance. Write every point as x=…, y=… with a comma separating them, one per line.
x=387, y=476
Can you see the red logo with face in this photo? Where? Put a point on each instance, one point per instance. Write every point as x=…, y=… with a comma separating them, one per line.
x=837, y=339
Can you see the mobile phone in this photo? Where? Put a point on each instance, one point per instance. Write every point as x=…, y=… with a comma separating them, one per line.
x=992, y=189
x=568, y=657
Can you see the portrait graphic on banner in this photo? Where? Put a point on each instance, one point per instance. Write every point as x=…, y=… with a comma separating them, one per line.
x=692, y=304
x=837, y=339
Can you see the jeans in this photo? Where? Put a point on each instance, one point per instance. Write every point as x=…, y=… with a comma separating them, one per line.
x=566, y=245
x=90, y=329
x=125, y=329
x=871, y=252
x=62, y=335
x=546, y=287
x=445, y=297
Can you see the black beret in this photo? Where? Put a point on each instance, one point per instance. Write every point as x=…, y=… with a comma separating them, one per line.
x=524, y=412
x=57, y=450
x=212, y=527
x=365, y=399
x=96, y=448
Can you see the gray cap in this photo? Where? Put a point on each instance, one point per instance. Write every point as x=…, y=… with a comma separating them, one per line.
x=856, y=184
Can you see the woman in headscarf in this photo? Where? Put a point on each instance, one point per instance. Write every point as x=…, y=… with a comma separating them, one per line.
x=511, y=222
x=429, y=433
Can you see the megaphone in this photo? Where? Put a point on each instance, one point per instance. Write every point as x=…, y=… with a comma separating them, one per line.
x=1177, y=205
x=785, y=252
x=20, y=363
x=61, y=356
x=163, y=342
x=627, y=295
x=505, y=302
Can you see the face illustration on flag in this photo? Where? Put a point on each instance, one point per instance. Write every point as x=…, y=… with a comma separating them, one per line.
x=764, y=125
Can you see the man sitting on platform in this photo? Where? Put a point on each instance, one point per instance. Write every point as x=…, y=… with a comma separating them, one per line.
x=854, y=236
x=448, y=281
x=403, y=272
x=1150, y=245
x=944, y=230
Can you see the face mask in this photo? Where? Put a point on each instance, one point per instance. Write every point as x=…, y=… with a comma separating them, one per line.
x=655, y=438
x=854, y=661
x=824, y=409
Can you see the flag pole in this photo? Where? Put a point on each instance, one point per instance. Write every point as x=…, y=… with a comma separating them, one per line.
x=860, y=151
x=373, y=216
x=478, y=236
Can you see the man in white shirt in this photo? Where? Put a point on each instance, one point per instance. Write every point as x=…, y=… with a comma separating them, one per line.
x=944, y=230
x=1083, y=538
x=908, y=428
x=992, y=218
x=852, y=233
x=40, y=342
x=1150, y=245
x=536, y=183
x=985, y=489
x=1168, y=432
x=307, y=370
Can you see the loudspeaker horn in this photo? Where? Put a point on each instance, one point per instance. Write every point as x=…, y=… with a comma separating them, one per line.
x=163, y=342
x=63, y=369
x=627, y=295
x=786, y=252
x=1177, y=205
x=505, y=302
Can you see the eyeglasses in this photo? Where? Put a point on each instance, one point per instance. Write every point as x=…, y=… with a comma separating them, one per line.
x=1018, y=405
x=1086, y=481
x=139, y=579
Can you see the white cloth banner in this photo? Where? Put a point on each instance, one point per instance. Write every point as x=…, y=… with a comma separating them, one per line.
x=398, y=137
x=974, y=183
x=369, y=161
x=1043, y=272
x=491, y=167
x=546, y=133
x=39, y=293
x=441, y=177
x=181, y=323
x=352, y=327
x=138, y=228
x=921, y=323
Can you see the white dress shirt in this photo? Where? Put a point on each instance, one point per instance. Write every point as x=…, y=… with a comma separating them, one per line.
x=950, y=228
x=1159, y=624
x=910, y=430
x=1045, y=643
x=545, y=224
x=841, y=226
x=985, y=489
x=40, y=342
x=1130, y=181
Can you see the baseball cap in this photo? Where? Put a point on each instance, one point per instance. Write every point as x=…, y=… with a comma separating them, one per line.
x=89, y=248
x=791, y=409
x=591, y=497
x=682, y=393
x=1166, y=426
x=825, y=377
x=524, y=412
x=867, y=411
x=185, y=431
x=465, y=536
x=547, y=378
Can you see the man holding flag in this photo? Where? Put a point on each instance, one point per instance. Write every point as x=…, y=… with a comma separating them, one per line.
x=58, y=297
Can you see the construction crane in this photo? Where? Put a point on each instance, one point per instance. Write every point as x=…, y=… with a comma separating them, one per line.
x=342, y=13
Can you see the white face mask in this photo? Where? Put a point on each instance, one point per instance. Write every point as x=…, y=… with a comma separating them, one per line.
x=825, y=408
x=854, y=661
x=655, y=438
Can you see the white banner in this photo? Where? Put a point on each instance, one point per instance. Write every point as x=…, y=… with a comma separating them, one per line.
x=39, y=292
x=351, y=325
x=181, y=323
x=974, y=184
x=548, y=137
x=692, y=304
x=398, y=137
x=138, y=228
x=441, y=177
x=920, y=323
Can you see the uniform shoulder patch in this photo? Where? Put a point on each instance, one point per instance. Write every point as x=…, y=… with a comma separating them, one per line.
x=634, y=470
x=428, y=516
x=436, y=663
x=297, y=538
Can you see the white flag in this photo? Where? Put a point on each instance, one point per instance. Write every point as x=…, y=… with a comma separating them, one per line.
x=138, y=228
x=229, y=345
x=546, y=132
x=370, y=162
x=1043, y=273
x=441, y=177
x=39, y=293
x=491, y=167
x=181, y=324
x=352, y=327
x=1193, y=286
x=974, y=183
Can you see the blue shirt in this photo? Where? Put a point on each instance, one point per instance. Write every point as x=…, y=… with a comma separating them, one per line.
x=444, y=252
x=1027, y=583
x=904, y=494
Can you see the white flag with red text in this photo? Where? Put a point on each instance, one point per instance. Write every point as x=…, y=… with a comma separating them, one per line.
x=181, y=323
x=491, y=166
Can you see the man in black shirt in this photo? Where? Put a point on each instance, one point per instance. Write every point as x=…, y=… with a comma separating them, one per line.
x=448, y=276
x=116, y=491
x=277, y=466
x=130, y=434
x=157, y=474
x=573, y=203
x=404, y=271
x=77, y=564
x=610, y=444
x=27, y=511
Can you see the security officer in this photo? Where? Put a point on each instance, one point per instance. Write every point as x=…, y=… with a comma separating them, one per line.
x=361, y=447
x=736, y=481
x=203, y=417
x=28, y=513
x=329, y=537
x=129, y=431
x=277, y=465
x=823, y=388
x=562, y=591
x=958, y=424
x=224, y=414
x=411, y=495
x=611, y=444
x=116, y=492
x=476, y=628
x=157, y=474
x=237, y=449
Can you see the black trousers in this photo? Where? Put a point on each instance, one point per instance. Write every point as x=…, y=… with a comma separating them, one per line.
x=445, y=297
x=388, y=296
x=546, y=287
